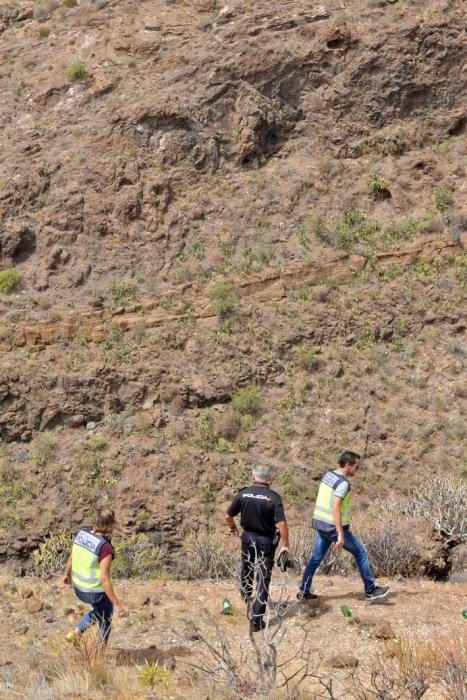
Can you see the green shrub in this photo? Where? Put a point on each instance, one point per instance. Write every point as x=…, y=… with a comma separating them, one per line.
x=123, y=293
x=51, y=556
x=70, y=3
x=44, y=32
x=378, y=186
x=9, y=279
x=246, y=400
x=443, y=200
x=224, y=298
x=152, y=673
x=75, y=72
x=306, y=358
x=354, y=227
x=208, y=438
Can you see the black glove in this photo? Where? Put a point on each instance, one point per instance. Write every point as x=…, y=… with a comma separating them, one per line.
x=283, y=561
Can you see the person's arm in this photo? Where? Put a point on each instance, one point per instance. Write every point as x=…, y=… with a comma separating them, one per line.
x=284, y=533
x=336, y=516
x=67, y=576
x=108, y=588
x=233, y=529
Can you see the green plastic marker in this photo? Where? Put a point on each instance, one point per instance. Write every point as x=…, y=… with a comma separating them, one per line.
x=464, y=613
x=227, y=607
x=346, y=611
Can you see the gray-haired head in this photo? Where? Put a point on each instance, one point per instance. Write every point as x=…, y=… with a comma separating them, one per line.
x=262, y=472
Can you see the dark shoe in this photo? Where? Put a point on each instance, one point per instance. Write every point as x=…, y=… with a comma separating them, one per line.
x=306, y=595
x=378, y=593
x=256, y=626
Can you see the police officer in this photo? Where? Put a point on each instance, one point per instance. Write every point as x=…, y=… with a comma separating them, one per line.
x=88, y=569
x=331, y=520
x=261, y=512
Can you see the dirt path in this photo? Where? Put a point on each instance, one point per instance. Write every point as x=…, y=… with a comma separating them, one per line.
x=168, y=621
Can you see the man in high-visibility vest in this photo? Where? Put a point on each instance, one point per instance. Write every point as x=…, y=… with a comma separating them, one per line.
x=331, y=520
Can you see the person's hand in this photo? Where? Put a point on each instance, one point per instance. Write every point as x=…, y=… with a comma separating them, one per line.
x=282, y=549
x=121, y=610
x=340, y=541
x=66, y=580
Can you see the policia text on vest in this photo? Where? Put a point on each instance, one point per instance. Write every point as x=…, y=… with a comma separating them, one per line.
x=261, y=514
x=331, y=520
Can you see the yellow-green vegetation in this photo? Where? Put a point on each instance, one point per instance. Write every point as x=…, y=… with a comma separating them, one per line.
x=289, y=488
x=443, y=201
x=9, y=280
x=195, y=248
x=51, y=555
x=152, y=673
x=119, y=345
x=70, y=3
x=224, y=298
x=306, y=358
x=207, y=437
x=378, y=186
x=75, y=72
x=246, y=400
x=354, y=227
x=123, y=293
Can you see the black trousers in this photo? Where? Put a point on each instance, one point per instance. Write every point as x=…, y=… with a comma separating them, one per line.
x=257, y=557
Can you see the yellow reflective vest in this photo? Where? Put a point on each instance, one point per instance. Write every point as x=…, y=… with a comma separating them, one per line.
x=85, y=564
x=324, y=502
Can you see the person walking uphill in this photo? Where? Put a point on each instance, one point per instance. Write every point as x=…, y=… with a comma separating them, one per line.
x=88, y=570
x=331, y=520
x=261, y=512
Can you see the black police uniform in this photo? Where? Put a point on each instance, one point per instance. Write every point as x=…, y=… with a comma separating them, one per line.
x=260, y=509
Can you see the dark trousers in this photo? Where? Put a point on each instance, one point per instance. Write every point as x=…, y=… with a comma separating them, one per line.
x=257, y=556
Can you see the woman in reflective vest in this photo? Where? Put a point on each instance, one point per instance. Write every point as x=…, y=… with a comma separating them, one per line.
x=88, y=570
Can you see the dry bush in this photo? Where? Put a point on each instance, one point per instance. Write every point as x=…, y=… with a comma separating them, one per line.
x=271, y=660
x=459, y=559
x=209, y=555
x=412, y=668
x=397, y=544
x=136, y=556
x=82, y=666
x=424, y=664
x=227, y=424
x=442, y=502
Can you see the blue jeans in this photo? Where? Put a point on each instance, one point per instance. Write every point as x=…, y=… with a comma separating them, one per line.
x=351, y=544
x=101, y=612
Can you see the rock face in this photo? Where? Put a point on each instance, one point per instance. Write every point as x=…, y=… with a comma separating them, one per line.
x=227, y=233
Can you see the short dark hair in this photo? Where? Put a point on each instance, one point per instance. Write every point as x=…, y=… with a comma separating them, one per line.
x=348, y=457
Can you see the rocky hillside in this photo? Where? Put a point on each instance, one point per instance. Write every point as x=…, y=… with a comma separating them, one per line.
x=227, y=232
